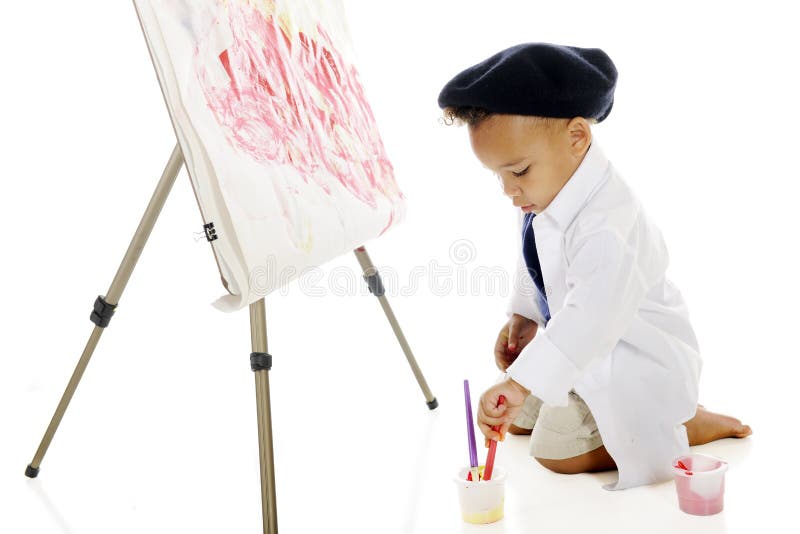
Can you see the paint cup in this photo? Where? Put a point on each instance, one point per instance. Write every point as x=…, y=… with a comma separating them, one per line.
x=701, y=486
x=481, y=502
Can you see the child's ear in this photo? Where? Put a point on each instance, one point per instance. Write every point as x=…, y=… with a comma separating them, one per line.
x=580, y=135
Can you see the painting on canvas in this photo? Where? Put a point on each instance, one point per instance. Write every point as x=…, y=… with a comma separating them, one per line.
x=280, y=142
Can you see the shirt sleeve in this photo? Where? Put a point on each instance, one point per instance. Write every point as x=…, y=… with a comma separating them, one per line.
x=604, y=291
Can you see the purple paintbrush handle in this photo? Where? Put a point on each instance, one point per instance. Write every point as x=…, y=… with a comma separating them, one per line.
x=473, y=451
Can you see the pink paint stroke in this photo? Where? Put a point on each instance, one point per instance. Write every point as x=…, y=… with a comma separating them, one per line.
x=293, y=100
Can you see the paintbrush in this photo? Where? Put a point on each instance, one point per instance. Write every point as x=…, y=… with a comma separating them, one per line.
x=487, y=471
x=473, y=451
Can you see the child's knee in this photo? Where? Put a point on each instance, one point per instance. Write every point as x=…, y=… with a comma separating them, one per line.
x=566, y=466
x=591, y=462
x=518, y=430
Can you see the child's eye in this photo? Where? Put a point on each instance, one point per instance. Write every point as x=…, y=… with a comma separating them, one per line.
x=522, y=172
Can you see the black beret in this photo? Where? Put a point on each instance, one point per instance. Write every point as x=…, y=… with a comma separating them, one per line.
x=541, y=79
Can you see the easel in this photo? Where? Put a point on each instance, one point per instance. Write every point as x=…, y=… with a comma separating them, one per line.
x=260, y=359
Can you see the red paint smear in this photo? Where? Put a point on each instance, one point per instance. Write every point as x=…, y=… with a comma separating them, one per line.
x=681, y=465
x=226, y=64
x=388, y=223
x=292, y=100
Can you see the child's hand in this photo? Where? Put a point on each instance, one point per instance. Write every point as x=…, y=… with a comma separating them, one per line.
x=513, y=337
x=490, y=414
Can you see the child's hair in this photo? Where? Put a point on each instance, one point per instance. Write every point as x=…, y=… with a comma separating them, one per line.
x=472, y=116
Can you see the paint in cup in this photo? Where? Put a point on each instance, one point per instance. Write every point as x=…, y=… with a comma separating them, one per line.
x=701, y=485
x=482, y=501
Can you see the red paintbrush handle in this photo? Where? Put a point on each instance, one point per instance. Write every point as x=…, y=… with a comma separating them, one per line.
x=487, y=471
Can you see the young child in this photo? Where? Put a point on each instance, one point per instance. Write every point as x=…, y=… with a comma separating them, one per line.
x=602, y=364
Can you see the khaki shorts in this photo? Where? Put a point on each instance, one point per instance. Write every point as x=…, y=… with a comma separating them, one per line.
x=559, y=432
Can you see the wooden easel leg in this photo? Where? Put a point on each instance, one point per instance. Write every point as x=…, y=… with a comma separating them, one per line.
x=261, y=363
x=375, y=285
x=104, y=306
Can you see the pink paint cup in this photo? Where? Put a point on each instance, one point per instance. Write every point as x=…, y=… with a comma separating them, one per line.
x=701, y=485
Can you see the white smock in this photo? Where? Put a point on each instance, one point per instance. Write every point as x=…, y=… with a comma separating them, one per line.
x=619, y=332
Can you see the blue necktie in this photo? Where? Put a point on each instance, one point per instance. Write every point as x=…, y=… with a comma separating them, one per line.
x=532, y=262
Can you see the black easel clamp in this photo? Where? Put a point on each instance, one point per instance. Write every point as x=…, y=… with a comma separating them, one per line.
x=260, y=361
x=101, y=315
x=211, y=233
x=375, y=284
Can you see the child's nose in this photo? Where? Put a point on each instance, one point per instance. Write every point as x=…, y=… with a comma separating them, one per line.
x=511, y=190
x=508, y=187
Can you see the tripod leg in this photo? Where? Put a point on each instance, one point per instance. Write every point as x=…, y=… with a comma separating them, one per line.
x=373, y=279
x=104, y=306
x=261, y=363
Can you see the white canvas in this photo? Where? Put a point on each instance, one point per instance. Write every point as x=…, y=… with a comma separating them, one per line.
x=279, y=140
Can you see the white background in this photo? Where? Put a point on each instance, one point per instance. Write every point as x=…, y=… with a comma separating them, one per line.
x=161, y=435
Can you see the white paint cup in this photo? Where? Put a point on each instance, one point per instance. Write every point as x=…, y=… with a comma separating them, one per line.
x=481, y=502
x=701, y=487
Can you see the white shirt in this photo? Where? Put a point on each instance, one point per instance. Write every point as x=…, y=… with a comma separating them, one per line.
x=619, y=332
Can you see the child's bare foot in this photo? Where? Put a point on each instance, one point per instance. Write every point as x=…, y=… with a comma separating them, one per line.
x=707, y=426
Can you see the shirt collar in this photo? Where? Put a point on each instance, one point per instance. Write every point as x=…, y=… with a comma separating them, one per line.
x=572, y=196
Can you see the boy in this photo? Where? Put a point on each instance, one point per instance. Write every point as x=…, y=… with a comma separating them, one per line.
x=602, y=364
